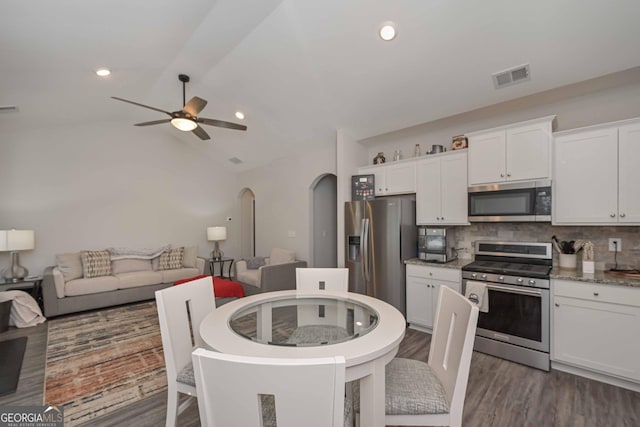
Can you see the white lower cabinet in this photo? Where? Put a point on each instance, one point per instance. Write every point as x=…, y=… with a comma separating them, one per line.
x=597, y=327
x=423, y=287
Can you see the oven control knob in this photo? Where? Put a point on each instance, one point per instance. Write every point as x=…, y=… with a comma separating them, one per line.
x=501, y=278
x=484, y=276
x=474, y=275
x=519, y=280
x=532, y=282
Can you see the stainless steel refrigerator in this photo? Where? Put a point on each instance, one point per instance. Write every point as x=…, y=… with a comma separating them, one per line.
x=379, y=235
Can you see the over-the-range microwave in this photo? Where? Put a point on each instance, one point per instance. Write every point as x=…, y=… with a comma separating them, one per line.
x=512, y=202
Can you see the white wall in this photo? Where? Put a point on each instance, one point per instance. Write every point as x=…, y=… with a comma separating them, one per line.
x=110, y=184
x=283, y=198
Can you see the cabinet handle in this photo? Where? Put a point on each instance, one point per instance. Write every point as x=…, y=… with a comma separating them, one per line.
x=622, y=215
x=595, y=294
x=508, y=175
x=557, y=305
x=612, y=215
x=501, y=175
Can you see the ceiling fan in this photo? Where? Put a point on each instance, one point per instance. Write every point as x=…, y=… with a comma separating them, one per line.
x=187, y=119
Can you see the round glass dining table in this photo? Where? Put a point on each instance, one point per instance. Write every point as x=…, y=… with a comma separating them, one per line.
x=308, y=324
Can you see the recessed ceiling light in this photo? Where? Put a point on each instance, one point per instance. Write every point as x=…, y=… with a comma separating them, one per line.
x=103, y=72
x=240, y=115
x=387, y=31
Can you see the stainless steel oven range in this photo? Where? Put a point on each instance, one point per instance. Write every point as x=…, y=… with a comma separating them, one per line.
x=516, y=274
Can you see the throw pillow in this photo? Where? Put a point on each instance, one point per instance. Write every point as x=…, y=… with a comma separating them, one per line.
x=280, y=256
x=255, y=262
x=189, y=257
x=70, y=265
x=171, y=259
x=96, y=264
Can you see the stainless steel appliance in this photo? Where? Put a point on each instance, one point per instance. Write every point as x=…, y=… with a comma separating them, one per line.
x=380, y=235
x=435, y=244
x=516, y=274
x=513, y=202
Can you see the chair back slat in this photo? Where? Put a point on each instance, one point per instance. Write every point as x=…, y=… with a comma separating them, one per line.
x=333, y=279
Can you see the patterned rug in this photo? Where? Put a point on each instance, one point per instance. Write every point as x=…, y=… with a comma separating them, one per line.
x=100, y=361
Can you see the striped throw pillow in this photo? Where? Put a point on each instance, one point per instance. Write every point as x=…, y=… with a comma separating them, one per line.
x=96, y=263
x=171, y=259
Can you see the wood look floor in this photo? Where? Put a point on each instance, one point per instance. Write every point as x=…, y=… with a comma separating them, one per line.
x=500, y=393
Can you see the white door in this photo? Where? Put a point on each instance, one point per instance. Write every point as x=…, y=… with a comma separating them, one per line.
x=487, y=158
x=528, y=152
x=428, y=191
x=453, y=189
x=586, y=177
x=629, y=174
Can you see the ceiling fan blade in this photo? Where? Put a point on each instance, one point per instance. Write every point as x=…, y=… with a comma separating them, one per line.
x=221, y=124
x=194, y=106
x=155, y=122
x=201, y=133
x=141, y=105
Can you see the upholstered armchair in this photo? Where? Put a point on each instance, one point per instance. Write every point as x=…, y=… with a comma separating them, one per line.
x=273, y=273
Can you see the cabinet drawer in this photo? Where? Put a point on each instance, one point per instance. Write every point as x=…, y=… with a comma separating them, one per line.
x=597, y=292
x=436, y=273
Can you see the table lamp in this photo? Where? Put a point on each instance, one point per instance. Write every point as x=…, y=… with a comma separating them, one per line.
x=216, y=234
x=14, y=241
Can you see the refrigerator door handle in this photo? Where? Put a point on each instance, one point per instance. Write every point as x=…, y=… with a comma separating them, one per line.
x=364, y=232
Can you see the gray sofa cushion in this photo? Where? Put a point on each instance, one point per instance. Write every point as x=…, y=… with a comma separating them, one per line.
x=70, y=265
x=134, y=279
x=126, y=265
x=91, y=286
x=169, y=276
x=255, y=262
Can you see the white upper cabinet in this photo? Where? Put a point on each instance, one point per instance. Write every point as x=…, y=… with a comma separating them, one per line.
x=393, y=178
x=441, y=189
x=596, y=175
x=517, y=152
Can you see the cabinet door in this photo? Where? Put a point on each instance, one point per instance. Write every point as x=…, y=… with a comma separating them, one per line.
x=400, y=178
x=419, y=302
x=629, y=174
x=487, y=158
x=379, y=177
x=428, y=191
x=586, y=177
x=453, y=189
x=597, y=335
x=528, y=154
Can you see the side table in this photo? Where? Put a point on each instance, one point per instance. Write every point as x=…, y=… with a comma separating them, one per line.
x=31, y=284
x=221, y=261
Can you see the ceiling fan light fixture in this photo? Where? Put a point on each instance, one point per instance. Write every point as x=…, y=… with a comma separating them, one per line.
x=183, y=124
x=103, y=72
x=387, y=31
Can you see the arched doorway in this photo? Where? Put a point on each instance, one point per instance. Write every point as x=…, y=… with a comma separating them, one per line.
x=324, y=223
x=247, y=223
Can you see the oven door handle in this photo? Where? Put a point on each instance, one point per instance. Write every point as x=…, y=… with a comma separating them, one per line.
x=516, y=291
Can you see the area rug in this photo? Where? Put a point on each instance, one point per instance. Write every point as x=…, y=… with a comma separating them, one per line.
x=100, y=361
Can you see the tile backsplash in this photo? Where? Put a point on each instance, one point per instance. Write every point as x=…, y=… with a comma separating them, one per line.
x=629, y=257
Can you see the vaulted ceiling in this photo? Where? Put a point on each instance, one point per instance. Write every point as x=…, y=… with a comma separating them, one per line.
x=298, y=69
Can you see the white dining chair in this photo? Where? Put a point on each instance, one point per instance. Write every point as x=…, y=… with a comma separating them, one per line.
x=241, y=391
x=432, y=393
x=180, y=311
x=321, y=324
x=332, y=279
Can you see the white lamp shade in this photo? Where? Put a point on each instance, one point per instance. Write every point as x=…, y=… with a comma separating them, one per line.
x=17, y=240
x=216, y=234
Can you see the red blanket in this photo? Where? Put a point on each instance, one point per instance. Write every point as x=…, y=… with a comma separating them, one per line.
x=222, y=288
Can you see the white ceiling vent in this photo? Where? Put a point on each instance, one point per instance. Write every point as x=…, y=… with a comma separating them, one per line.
x=8, y=108
x=511, y=76
x=235, y=160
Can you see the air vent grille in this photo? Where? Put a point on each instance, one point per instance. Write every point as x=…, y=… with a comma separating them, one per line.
x=235, y=160
x=511, y=76
x=8, y=108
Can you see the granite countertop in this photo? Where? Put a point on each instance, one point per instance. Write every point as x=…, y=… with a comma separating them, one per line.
x=598, y=277
x=457, y=264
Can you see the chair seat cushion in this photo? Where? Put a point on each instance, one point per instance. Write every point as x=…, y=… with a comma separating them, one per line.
x=269, y=411
x=186, y=375
x=313, y=334
x=411, y=389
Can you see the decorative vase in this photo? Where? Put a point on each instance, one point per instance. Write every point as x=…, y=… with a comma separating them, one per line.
x=379, y=158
